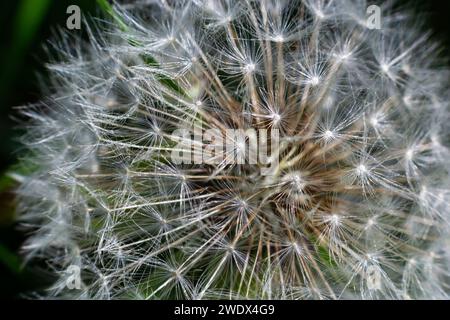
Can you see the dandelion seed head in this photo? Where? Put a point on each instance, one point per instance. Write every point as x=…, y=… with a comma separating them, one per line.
x=315, y=80
x=361, y=170
x=409, y=154
x=295, y=180
x=328, y=135
x=278, y=38
x=335, y=219
x=249, y=68
x=360, y=186
x=374, y=121
x=384, y=67
x=276, y=117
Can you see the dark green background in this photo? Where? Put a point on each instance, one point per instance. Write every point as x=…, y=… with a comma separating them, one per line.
x=27, y=24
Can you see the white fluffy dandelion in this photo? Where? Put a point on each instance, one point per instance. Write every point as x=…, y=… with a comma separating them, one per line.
x=356, y=206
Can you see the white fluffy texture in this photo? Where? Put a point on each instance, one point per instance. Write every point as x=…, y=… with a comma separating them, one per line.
x=362, y=186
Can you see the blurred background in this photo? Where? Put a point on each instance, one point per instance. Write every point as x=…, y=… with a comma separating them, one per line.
x=27, y=25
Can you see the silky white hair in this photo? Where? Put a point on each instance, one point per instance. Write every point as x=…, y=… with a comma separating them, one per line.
x=358, y=206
